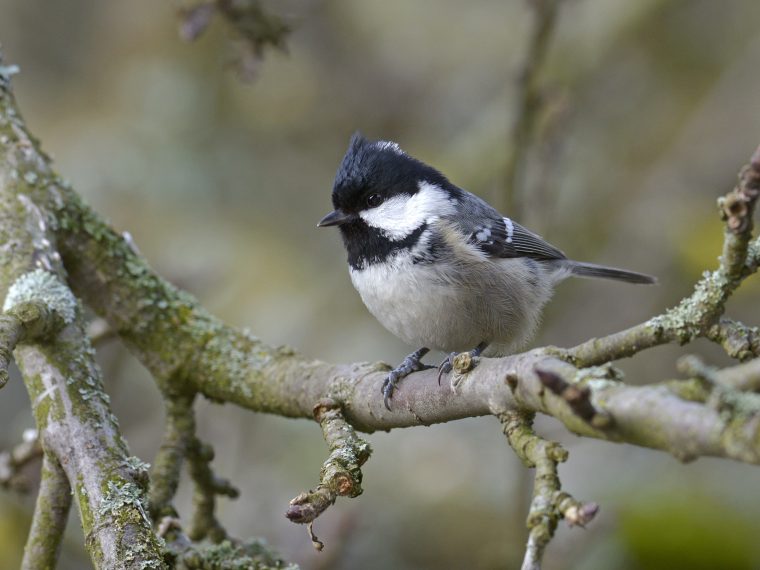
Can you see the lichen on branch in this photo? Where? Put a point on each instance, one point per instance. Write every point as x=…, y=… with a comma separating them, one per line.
x=341, y=474
x=549, y=504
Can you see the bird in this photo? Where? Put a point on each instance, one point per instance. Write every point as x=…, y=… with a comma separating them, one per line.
x=438, y=266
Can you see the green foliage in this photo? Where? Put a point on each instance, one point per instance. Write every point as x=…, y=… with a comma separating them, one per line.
x=688, y=529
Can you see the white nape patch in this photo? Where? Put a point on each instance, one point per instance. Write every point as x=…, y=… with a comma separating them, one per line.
x=399, y=216
x=483, y=235
x=510, y=229
x=388, y=145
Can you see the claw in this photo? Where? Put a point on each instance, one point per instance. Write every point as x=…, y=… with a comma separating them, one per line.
x=446, y=366
x=387, y=400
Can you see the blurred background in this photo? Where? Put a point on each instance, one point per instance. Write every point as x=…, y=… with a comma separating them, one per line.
x=652, y=107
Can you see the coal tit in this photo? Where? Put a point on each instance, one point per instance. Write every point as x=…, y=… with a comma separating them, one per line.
x=438, y=266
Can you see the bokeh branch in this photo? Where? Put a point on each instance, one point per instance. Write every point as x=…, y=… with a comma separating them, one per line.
x=528, y=105
x=13, y=462
x=254, y=28
x=207, y=486
x=180, y=444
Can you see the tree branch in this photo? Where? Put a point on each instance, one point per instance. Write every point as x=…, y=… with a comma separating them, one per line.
x=550, y=503
x=207, y=486
x=737, y=339
x=341, y=474
x=182, y=344
x=167, y=465
x=51, y=514
x=698, y=315
x=71, y=410
x=742, y=377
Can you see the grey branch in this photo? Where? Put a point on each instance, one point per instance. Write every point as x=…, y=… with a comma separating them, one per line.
x=550, y=503
x=341, y=473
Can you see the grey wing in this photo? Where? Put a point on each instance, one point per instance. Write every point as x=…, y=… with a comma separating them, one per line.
x=499, y=236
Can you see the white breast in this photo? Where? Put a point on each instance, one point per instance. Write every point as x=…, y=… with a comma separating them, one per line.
x=409, y=300
x=453, y=308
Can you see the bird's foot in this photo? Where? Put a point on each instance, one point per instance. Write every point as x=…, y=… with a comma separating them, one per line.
x=410, y=364
x=460, y=362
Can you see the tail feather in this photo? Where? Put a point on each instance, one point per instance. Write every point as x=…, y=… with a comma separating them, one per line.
x=581, y=269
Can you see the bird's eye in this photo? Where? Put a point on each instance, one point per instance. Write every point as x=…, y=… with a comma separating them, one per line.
x=374, y=200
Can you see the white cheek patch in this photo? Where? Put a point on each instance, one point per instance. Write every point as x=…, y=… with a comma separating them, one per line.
x=399, y=216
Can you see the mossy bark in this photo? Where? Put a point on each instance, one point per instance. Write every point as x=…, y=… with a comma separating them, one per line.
x=71, y=409
x=50, y=516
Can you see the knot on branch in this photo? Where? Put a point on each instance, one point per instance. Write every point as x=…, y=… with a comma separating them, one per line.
x=737, y=206
x=37, y=306
x=45, y=290
x=341, y=473
x=737, y=339
x=574, y=512
x=577, y=397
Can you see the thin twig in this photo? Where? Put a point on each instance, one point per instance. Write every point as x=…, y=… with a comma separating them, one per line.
x=697, y=315
x=204, y=523
x=550, y=503
x=341, y=473
x=167, y=465
x=181, y=444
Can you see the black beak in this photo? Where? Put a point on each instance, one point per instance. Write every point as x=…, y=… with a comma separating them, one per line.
x=335, y=218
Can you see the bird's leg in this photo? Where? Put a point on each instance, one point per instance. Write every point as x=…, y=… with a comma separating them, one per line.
x=448, y=363
x=410, y=364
